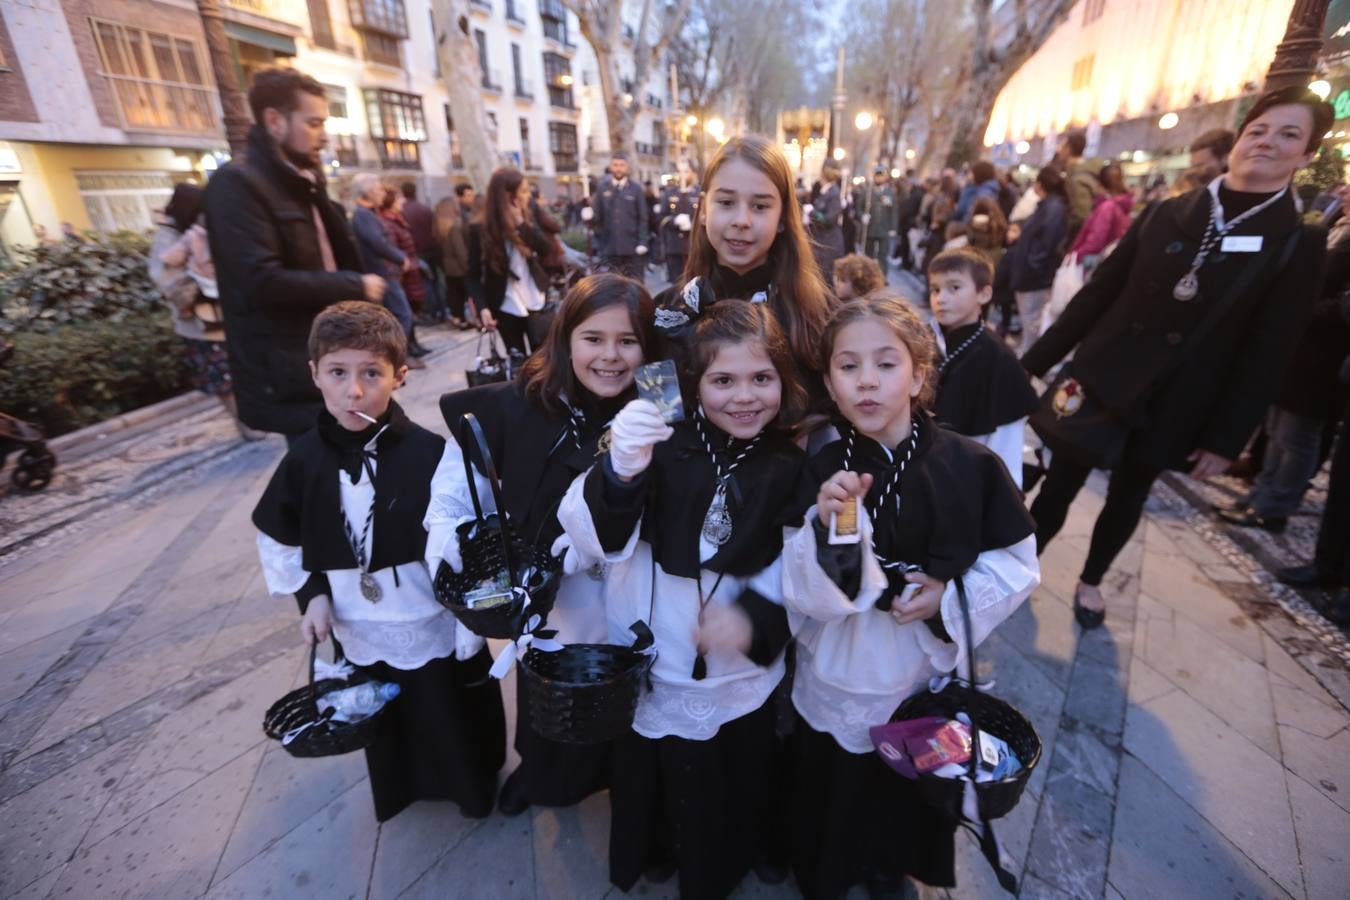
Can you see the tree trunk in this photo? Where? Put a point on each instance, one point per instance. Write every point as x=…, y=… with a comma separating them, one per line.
x=458, y=57
x=232, y=102
x=990, y=70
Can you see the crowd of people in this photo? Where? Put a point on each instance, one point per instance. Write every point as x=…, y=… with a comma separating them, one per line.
x=813, y=396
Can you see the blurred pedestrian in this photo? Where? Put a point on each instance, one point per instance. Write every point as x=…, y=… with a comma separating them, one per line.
x=621, y=214
x=379, y=255
x=196, y=318
x=413, y=278
x=506, y=279
x=1036, y=255
x=282, y=252
x=453, y=215
x=422, y=224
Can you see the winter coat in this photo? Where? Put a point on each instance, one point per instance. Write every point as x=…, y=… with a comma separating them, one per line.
x=401, y=235
x=1036, y=254
x=1133, y=356
x=972, y=192
x=260, y=216
x=1108, y=223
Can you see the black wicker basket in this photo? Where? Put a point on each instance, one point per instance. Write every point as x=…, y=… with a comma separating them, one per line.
x=987, y=713
x=321, y=735
x=586, y=693
x=488, y=546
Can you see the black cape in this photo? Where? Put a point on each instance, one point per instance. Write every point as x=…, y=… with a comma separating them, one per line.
x=534, y=450
x=985, y=387
x=956, y=500
x=765, y=493
x=302, y=505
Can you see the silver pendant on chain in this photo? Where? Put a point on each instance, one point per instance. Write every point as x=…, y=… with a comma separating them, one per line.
x=1187, y=288
x=370, y=588
x=717, y=524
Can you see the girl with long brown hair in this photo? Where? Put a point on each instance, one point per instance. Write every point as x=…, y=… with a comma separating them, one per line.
x=749, y=243
x=542, y=430
x=506, y=280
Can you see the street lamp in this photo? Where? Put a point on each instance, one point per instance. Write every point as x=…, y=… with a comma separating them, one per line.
x=839, y=154
x=1168, y=121
x=909, y=154
x=691, y=121
x=863, y=121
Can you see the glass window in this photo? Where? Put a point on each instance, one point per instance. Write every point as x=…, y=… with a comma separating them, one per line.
x=158, y=79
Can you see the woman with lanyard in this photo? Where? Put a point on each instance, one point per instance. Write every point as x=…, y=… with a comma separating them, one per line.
x=1181, y=334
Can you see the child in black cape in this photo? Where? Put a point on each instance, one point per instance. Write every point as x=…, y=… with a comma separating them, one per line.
x=691, y=520
x=339, y=526
x=982, y=390
x=542, y=430
x=933, y=499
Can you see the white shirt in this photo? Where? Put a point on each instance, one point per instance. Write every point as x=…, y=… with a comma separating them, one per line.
x=522, y=294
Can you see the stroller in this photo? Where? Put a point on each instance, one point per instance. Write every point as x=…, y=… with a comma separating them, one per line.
x=36, y=463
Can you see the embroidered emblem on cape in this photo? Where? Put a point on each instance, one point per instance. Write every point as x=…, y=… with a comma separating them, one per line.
x=602, y=445
x=1068, y=398
x=669, y=318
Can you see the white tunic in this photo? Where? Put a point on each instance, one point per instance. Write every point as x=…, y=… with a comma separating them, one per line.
x=578, y=609
x=407, y=628
x=638, y=588
x=855, y=665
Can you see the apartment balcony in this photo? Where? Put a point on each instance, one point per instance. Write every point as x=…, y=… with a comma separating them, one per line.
x=513, y=14
x=524, y=89
x=565, y=162
x=492, y=81
x=481, y=6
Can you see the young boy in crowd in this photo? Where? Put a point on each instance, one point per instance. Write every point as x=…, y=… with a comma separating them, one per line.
x=982, y=391
x=856, y=275
x=340, y=527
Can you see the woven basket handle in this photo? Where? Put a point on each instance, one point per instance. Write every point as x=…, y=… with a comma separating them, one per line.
x=313, y=655
x=493, y=354
x=473, y=443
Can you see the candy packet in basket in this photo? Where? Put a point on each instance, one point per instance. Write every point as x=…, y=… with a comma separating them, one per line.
x=490, y=592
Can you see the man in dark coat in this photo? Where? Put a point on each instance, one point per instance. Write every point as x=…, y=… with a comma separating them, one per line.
x=1238, y=247
x=679, y=212
x=282, y=252
x=880, y=218
x=422, y=223
x=621, y=213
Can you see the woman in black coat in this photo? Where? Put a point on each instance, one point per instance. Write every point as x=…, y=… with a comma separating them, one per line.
x=1037, y=253
x=1236, y=248
x=506, y=277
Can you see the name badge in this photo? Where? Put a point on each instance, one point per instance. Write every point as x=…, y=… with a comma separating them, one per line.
x=1241, y=243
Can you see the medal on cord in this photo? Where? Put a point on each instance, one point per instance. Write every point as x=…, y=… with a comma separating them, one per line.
x=1188, y=288
x=370, y=588
x=717, y=524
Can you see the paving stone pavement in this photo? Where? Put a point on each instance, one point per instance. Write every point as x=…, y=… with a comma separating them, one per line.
x=1191, y=747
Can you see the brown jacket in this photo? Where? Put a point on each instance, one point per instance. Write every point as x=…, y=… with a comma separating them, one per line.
x=451, y=227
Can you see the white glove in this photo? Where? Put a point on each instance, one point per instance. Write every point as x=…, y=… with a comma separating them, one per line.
x=587, y=214
x=867, y=217
x=636, y=430
x=683, y=222
x=807, y=210
x=641, y=250
x=656, y=209
x=571, y=559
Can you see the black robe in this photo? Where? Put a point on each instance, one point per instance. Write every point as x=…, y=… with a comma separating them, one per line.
x=984, y=387
x=852, y=817
x=444, y=736
x=537, y=459
x=709, y=808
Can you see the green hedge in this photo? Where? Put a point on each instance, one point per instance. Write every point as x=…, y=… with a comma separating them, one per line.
x=53, y=285
x=85, y=372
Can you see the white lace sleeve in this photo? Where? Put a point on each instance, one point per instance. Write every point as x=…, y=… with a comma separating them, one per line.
x=282, y=565
x=997, y=583
x=575, y=517
x=1006, y=441
x=809, y=592
x=451, y=503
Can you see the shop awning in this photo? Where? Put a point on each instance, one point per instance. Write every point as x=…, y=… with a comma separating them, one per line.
x=247, y=34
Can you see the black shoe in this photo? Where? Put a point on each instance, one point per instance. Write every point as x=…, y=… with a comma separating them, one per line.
x=1310, y=575
x=417, y=350
x=513, y=799
x=770, y=872
x=659, y=873
x=1087, y=618
x=1246, y=517
x=1335, y=606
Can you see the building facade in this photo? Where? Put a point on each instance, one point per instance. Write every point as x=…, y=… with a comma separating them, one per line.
x=106, y=104
x=1118, y=68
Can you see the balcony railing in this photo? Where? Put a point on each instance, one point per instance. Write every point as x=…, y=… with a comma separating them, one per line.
x=513, y=15
x=484, y=5
x=492, y=80
x=524, y=89
x=565, y=162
